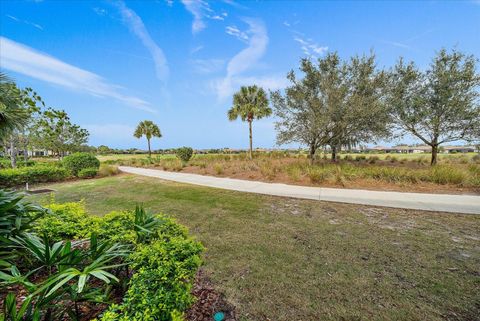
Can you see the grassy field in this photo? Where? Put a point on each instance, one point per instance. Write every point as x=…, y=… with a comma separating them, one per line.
x=381, y=156
x=455, y=173
x=285, y=259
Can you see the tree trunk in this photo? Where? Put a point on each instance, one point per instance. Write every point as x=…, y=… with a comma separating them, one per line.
x=149, y=151
x=311, y=154
x=434, y=155
x=13, y=154
x=25, y=154
x=334, y=153
x=251, y=143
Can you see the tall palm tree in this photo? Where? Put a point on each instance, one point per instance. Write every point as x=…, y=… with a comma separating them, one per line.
x=12, y=115
x=148, y=129
x=249, y=103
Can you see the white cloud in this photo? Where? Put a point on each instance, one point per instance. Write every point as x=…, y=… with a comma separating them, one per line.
x=201, y=10
x=309, y=47
x=397, y=44
x=234, y=31
x=135, y=23
x=245, y=59
x=25, y=60
x=196, y=49
x=207, y=66
x=36, y=25
x=100, y=11
x=197, y=8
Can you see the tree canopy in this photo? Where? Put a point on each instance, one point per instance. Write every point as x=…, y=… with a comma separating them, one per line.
x=438, y=105
x=336, y=103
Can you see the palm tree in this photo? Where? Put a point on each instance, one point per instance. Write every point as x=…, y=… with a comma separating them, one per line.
x=249, y=103
x=149, y=129
x=12, y=115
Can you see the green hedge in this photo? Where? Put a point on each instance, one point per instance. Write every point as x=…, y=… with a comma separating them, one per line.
x=78, y=161
x=165, y=258
x=7, y=163
x=34, y=174
x=88, y=172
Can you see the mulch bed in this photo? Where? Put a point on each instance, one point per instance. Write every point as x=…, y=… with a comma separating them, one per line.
x=209, y=301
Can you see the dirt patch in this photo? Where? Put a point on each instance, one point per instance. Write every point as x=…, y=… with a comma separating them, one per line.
x=208, y=301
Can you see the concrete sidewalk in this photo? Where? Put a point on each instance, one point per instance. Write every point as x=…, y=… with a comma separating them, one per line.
x=468, y=204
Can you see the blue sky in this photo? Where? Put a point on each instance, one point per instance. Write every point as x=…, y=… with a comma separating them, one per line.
x=111, y=64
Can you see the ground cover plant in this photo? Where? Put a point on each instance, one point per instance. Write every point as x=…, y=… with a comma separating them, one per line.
x=285, y=259
x=59, y=263
x=403, y=172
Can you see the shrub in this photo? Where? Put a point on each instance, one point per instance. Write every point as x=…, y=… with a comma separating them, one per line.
x=373, y=159
x=184, y=153
x=162, y=284
x=6, y=163
x=66, y=221
x=294, y=172
x=218, y=168
x=88, y=172
x=359, y=158
x=268, y=170
x=107, y=170
x=447, y=175
x=317, y=175
x=78, y=161
x=476, y=159
x=35, y=174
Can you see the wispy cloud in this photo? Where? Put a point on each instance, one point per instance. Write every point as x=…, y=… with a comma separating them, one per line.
x=397, y=44
x=28, y=61
x=207, y=66
x=36, y=25
x=100, y=11
x=196, y=49
x=137, y=27
x=201, y=10
x=245, y=59
x=309, y=47
x=234, y=31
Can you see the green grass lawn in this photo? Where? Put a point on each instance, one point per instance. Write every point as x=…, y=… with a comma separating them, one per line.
x=286, y=259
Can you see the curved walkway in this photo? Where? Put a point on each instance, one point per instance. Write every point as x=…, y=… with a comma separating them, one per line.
x=468, y=204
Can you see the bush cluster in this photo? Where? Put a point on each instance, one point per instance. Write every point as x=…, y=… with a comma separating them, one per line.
x=184, y=153
x=6, y=163
x=77, y=162
x=52, y=240
x=35, y=174
x=88, y=172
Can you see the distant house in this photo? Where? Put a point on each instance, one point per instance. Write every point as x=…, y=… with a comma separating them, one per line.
x=408, y=149
x=460, y=149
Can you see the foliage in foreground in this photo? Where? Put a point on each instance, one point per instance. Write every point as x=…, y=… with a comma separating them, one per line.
x=65, y=258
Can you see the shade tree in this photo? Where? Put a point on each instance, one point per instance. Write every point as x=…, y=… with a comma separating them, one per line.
x=438, y=105
x=336, y=103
